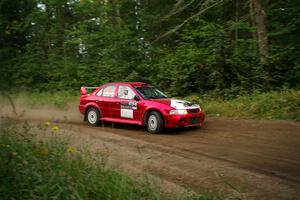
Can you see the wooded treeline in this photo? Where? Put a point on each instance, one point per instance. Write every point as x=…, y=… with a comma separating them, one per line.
x=183, y=46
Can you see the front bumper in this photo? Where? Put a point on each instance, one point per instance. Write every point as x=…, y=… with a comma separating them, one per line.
x=177, y=121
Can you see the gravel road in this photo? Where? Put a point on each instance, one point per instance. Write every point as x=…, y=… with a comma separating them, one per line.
x=233, y=159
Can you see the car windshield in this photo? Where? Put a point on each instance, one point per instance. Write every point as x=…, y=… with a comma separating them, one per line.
x=150, y=93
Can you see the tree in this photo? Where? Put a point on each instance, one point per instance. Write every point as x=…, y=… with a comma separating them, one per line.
x=200, y=45
x=259, y=21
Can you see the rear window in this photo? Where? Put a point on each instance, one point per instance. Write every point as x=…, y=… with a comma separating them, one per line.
x=99, y=93
x=109, y=91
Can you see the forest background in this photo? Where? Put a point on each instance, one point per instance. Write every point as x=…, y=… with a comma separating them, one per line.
x=221, y=48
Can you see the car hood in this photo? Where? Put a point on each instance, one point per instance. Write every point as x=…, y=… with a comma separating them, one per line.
x=176, y=103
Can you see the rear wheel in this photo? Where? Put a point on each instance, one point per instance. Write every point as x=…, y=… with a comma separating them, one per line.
x=155, y=123
x=93, y=116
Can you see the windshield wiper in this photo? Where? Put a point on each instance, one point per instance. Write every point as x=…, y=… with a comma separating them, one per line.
x=160, y=97
x=152, y=97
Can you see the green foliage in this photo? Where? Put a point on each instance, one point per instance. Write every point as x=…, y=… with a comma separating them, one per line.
x=32, y=168
x=61, y=45
x=58, y=99
x=201, y=61
x=284, y=104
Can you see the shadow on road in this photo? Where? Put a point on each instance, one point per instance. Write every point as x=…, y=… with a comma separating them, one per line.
x=137, y=128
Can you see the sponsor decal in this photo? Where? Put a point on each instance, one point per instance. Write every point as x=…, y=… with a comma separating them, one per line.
x=129, y=105
x=127, y=109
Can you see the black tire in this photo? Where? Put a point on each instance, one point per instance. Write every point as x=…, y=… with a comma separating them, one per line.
x=92, y=116
x=155, y=122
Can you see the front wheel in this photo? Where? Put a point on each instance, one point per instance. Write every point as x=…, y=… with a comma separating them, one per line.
x=93, y=116
x=155, y=123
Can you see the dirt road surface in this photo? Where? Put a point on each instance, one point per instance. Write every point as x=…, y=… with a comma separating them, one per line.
x=233, y=159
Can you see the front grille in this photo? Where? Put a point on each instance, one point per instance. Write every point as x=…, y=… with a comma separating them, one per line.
x=194, y=110
x=195, y=120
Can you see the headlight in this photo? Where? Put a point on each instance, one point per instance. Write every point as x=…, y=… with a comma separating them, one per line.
x=178, y=112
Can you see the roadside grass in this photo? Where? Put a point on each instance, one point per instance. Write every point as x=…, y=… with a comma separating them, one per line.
x=275, y=105
x=47, y=167
x=59, y=99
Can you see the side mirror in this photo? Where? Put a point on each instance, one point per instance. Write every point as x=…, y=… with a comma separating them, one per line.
x=136, y=98
x=83, y=91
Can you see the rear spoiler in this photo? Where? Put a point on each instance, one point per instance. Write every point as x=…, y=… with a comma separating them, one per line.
x=86, y=90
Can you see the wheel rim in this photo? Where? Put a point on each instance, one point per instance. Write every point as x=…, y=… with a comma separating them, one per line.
x=152, y=123
x=92, y=117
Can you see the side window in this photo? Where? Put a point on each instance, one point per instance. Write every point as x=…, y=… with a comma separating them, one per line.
x=125, y=92
x=99, y=93
x=109, y=91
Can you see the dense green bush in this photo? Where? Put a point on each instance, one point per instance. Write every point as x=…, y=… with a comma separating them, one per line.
x=283, y=104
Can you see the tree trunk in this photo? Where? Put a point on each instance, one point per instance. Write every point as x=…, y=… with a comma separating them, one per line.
x=61, y=21
x=236, y=31
x=261, y=29
x=115, y=11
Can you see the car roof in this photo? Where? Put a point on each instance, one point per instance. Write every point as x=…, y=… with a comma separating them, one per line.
x=131, y=83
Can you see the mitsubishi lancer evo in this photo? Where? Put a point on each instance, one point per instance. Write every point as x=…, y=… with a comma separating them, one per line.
x=138, y=103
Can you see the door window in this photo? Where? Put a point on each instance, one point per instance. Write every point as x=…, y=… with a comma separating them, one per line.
x=125, y=92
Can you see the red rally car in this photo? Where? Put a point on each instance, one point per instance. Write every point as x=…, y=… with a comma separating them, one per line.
x=138, y=103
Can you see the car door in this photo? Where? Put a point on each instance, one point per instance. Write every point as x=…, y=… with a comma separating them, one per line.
x=126, y=107
x=106, y=99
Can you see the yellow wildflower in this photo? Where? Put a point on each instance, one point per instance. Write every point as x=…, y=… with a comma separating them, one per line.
x=47, y=124
x=71, y=150
x=55, y=129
